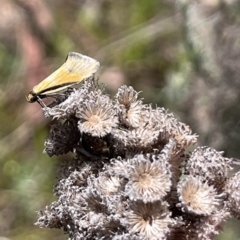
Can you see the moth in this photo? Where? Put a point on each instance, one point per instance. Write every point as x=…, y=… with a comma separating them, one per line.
x=76, y=68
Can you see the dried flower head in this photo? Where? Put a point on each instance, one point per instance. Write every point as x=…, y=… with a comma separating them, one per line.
x=141, y=138
x=109, y=185
x=148, y=180
x=130, y=109
x=170, y=153
x=63, y=138
x=49, y=218
x=149, y=220
x=183, y=135
x=97, y=116
x=210, y=164
x=168, y=127
x=197, y=197
x=126, y=95
x=206, y=227
x=133, y=117
x=233, y=189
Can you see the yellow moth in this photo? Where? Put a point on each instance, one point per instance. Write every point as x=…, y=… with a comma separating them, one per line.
x=76, y=68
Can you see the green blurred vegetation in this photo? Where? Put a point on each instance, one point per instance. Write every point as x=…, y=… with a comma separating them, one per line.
x=151, y=45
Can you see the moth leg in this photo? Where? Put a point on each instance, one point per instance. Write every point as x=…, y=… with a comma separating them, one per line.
x=44, y=107
x=40, y=102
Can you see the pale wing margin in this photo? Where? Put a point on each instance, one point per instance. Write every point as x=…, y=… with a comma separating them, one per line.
x=80, y=64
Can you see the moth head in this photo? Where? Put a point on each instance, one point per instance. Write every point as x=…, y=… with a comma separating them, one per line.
x=32, y=97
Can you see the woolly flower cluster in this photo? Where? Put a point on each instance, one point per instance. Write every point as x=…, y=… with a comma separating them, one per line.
x=132, y=176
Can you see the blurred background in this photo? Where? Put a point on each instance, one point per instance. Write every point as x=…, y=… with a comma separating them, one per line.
x=183, y=55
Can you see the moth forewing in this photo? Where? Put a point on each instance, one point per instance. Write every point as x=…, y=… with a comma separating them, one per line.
x=77, y=68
